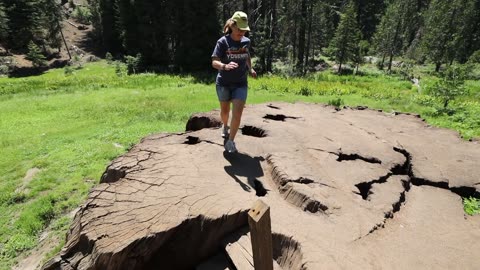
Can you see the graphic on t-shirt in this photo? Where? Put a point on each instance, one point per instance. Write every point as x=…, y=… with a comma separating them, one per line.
x=234, y=53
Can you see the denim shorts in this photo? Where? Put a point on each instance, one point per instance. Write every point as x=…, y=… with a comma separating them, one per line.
x=228, y=93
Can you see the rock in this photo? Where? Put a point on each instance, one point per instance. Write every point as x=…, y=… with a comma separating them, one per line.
x=3, y=51
x=348, y=189
x=59, y=63
x=91, y=58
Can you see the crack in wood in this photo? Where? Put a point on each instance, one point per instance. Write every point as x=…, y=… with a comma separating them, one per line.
x=365, y=187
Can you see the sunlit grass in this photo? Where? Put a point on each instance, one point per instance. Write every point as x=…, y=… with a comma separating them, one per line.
x=472, y=206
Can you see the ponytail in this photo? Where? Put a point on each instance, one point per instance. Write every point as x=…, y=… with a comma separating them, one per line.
x=227, y=29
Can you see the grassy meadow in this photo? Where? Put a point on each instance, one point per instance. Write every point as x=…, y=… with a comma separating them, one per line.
x=59, y=131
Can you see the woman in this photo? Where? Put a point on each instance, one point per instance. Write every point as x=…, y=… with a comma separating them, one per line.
x=232, y=59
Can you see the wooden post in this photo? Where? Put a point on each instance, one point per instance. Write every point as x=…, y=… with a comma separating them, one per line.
x=261, y=234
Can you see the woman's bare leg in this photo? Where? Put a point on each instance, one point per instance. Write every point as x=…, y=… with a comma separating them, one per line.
x=224, y=112
x=236, y=117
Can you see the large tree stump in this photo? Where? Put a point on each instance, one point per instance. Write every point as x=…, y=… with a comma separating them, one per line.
x=348, y=189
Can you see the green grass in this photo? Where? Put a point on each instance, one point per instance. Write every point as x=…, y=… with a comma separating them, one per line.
x=71, y=126
x=471, y=205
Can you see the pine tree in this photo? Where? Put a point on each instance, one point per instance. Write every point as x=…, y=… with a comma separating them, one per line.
x=194, y=33
x=97, y=33
x=3, y=23
x=369, y=13
x=301, y=38
x=362, y=51
x=128, y=27
x=344, y=45
x=442, y=26
x=467, y=40
x=35, y=55
x=328, y=20
x=394, y=33
x=51, y=23
x=109, y=14
x=451, y=84
x=25, y=22
x=272, y=34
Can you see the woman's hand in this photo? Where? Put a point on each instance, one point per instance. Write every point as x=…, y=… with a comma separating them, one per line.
x=230, y=66
x=253, y=73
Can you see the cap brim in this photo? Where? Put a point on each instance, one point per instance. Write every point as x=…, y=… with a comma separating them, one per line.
x=243, y=27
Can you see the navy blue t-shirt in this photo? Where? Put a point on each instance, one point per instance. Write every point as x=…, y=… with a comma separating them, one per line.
x=229, y=50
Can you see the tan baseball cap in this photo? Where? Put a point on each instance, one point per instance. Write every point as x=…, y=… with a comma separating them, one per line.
x=241, y=20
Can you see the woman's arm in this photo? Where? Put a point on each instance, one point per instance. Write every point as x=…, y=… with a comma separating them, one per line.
x=217, y=64
x=251, y=71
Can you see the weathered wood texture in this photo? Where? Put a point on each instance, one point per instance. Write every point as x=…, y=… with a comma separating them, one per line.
x=347, y=189
x=261, y=235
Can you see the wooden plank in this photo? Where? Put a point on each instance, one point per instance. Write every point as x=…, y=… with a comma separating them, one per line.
x=261, y=235
x=240, y=252
x=239, y=248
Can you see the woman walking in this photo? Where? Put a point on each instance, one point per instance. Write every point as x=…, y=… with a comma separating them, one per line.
x=231, y=57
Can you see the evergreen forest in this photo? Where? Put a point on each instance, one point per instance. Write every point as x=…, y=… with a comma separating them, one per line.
x=179, y=35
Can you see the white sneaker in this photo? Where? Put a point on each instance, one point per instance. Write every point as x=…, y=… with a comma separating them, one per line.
x=230, y=146
x=225, y=132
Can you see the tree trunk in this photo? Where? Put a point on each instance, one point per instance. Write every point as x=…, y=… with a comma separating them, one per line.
x=383, y=61
x=389, y=69
x=263, y=15
x=392, y=48
x=272, y=35
x=301, y=38
x=253, y=17
x=445, y=40
x=309, y=32
x=294, y=32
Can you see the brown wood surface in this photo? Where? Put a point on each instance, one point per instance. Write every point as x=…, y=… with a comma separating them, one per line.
x=261, y=235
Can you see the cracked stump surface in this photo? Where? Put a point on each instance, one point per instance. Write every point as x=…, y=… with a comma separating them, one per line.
x=355, y=188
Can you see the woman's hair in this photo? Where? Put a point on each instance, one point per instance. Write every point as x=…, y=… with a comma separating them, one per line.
x=227, y=29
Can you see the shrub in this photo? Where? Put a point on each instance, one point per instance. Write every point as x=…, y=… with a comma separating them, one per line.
x=337, y=102
x=82, y=15
x=305, y=91
x=120, y=69
x=76, y=60
x=451, y=84
x=406, y=70
x=68, y=70
x=7, y=64
x=3, y=70
x=133, y=63
x=475, y=58
x=109, y=57
x=35, y=55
